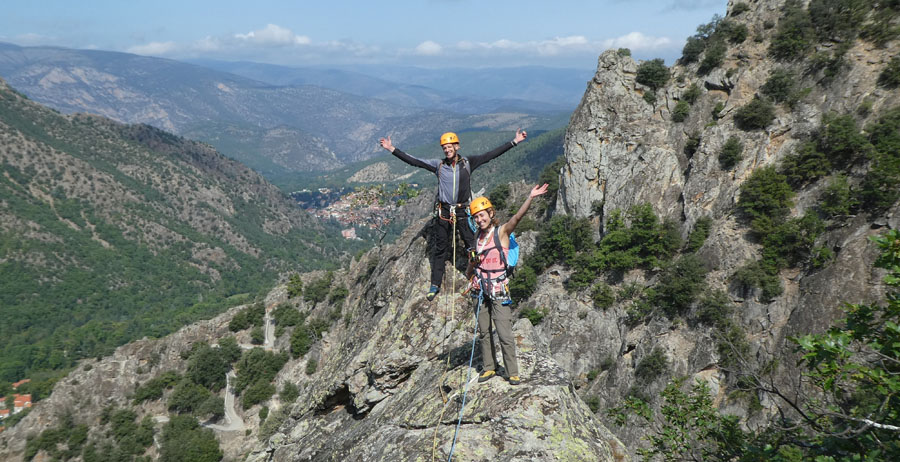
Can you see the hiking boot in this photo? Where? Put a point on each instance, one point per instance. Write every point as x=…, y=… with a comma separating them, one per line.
x=485, y=376
x=514, y=380
x=432, y=292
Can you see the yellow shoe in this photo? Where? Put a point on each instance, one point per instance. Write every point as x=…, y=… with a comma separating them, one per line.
x=485, y=376
x=514, y=380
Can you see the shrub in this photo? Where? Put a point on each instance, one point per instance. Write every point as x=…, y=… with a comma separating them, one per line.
x=187, y=397
x=713, y=57
x=295, y=286
x=732, y=153
x=260, y=391
x=338, y=294
x=879, y=189
x=550, y=176
x=717, y=110
x=183, y=440
x=755, y=274
x=153, y=389
x=563, y=237
x=781, y=86
x=692, y=144
x=653, y=74
x=794, y=35
x=837, y=200
x=650, y=97
x=692, y=50
x=623, y=52
x=498, y=196
x=755, y=115
x=738, y=8
x=263, y=413
x=699, y=234
x=289, y=393
x=594, y=403
x=523, y=283
x=714, y=308
x=287, y=316
x=645, y=242
x=681, y=111
x=317, y=291
x=301, y=340
x=765, y=194
x=250, y=316
x=258, y=365
x=311, y=366
x=257, y=336
x=652, y=366
x=805, y=164
x=534, y=315
x=603, y=296
x=691, y=94
x=207, y=367
x=679, y=285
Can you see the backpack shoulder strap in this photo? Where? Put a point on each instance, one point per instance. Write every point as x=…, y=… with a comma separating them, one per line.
x=500, y=248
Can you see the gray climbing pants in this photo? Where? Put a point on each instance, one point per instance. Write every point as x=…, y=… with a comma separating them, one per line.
x=502, y=320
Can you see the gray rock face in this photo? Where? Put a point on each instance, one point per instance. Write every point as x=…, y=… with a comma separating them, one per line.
x=378, y=393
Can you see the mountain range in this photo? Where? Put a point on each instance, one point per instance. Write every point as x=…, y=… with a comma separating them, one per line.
x=269, y=127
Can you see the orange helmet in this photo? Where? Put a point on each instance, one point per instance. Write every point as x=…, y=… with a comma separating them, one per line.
x=479, y=204
x=449, y=137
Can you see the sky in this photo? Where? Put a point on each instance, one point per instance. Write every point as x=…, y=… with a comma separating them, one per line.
x=428, y=33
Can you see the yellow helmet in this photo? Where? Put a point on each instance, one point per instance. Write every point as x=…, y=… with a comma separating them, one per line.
x=449, y=137
x=479, y=204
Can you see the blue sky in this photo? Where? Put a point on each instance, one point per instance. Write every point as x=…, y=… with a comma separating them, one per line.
x=432, y=33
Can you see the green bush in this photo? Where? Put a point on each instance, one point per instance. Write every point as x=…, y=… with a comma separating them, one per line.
x=289, y=393
x=838, y=20
x=302, y=340
x=534, y=315
x=758, y=275
x=257, y=336
x=755, y=115
x=681, y=111
x=311, y=366
x=679, y=285
x=653, y=74
x=154, y=388
x=560, y=241
x=652, y=366
x=698, y=235
x=837, y=200
x=258, y=365
x=258, y=392
x=338, y=294
x=295, y=286
x=805, y=164
x=714, y=309
x=207, y=366
x=738, y=8
x=766, y=194
x=692, y=50
x=781, y=86
x=550, y=176
x=603, y=296
x=691, y=94
x=187, y=397
x=523, y=283
x=623, y=52
x=287, y=316
x=650, y=97
x=498, y=196
x=692, y=144
x=879, y=189
x=593, y=403
x=318, y=290
x=646, y=242
x=183, y=440
x=263, y=413
x=795, y=34
x=732, y=153
x=248, y=317
x=713, y=57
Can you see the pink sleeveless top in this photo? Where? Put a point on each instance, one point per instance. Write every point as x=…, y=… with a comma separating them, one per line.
x=490, y=266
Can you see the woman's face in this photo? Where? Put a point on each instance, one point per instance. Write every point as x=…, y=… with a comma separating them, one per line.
x=450, y=149
x=483, y=219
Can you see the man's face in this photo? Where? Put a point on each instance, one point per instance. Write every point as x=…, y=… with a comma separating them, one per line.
x=483, y=219
x=450, y=149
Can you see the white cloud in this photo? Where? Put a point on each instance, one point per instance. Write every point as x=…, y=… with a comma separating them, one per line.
x=429, y=48
x=273, y=34
x=154, y=48
x=638, y=41
x=31, y=39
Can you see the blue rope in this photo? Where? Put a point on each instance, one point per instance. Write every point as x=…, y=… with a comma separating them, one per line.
x=468, y=374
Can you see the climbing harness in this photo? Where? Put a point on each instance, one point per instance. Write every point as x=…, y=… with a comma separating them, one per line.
x=496, y=287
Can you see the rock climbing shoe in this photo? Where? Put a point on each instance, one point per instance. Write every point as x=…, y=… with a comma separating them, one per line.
x=432, y=292
x=485, y=376
x=514, y=380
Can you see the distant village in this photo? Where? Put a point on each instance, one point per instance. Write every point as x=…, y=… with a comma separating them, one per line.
x=19, y=403
x=364, y=207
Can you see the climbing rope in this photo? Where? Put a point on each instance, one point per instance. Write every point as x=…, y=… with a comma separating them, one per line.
x=468, y=375
x=452, y=310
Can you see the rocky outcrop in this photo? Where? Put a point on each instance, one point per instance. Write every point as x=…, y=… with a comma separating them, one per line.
x=386, y=372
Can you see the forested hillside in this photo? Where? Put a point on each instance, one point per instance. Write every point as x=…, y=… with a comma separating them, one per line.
x=113, y=232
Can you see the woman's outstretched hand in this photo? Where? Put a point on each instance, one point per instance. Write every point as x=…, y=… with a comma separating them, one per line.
x=520, y=136
x=538, y=190
x=386, y=143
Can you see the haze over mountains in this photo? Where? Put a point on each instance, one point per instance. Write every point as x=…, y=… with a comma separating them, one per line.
x=272, y=127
